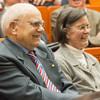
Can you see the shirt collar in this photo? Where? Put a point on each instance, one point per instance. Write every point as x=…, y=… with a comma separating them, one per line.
x=75, y=50
x=24, y=49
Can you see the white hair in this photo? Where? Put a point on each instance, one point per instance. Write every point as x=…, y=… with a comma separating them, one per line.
x=16, y=11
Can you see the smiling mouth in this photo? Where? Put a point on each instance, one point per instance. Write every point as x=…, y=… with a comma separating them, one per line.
x=36, y=36
x=84, y=38
x=76, y=0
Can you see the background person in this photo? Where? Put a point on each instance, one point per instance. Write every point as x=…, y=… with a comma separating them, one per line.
x=81, y=68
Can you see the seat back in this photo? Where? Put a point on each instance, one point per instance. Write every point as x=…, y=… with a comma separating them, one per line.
x=93, y=7
x=50, y=10
x=1, y=39
x=44, y=12
x=95, y=51
x=1, y=9
x=94, y=2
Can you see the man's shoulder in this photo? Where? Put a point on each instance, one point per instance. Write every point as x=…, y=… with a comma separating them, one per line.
x=90, y=11
x=42, y=47
x=43, y=50
x=3, y=50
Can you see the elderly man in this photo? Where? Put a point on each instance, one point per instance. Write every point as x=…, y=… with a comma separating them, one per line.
x=28, y=70
x=93, y=17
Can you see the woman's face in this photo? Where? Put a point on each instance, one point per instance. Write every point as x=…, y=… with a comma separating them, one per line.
x=78, y=33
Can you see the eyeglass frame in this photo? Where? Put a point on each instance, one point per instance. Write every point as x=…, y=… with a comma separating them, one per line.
x=82, y=27
x=35, y=24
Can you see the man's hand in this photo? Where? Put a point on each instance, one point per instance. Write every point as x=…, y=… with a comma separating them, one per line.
x=35, y=2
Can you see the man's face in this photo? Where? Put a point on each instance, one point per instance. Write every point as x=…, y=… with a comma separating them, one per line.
x=29, y=30
x=77, y=3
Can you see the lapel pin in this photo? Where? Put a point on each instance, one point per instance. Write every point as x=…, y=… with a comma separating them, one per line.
x=53, y=65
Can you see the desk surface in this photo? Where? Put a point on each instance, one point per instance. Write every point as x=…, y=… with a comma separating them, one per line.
x=93, y=96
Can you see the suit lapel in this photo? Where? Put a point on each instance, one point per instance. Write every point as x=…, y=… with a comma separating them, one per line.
x=49, y=66
x=28, y=63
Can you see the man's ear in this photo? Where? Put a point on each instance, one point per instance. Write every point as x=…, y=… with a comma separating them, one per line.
x=13, y=27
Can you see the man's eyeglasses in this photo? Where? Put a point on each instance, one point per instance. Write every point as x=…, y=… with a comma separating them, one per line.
x=37, y=24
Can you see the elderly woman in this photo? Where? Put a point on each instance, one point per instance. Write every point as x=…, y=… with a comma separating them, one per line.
x=82, y=69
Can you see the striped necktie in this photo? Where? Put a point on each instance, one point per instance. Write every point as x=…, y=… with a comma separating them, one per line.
x=42, y=72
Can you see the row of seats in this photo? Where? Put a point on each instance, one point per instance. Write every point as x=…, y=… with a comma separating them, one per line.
x=94, y=2
x=46, y=15
x=95, y=51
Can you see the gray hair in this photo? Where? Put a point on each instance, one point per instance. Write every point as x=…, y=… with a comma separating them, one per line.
x=65, y=19
x=15, y=12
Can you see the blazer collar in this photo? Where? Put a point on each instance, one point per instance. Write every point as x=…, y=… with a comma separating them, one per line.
x=72, y=60
x=40, y=53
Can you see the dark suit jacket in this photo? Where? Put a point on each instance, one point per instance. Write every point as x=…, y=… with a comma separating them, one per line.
x=20, y=80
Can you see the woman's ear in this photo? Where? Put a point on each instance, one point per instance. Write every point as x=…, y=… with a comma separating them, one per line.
x=67, y=36
x=13, y=27
x=67, y=33
x=65, y=29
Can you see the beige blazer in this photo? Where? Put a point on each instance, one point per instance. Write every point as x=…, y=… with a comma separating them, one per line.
x=85, y=80
x=94, y=20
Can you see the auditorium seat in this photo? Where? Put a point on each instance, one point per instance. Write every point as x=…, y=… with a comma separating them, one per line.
x=50, y=10
x=44, y=12
x=94, y=2
x=1, y=39
x=95, y=51
x=93, y=7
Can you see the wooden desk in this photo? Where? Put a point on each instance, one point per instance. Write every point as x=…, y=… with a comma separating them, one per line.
x=93, y=96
